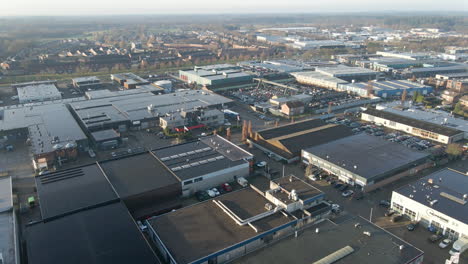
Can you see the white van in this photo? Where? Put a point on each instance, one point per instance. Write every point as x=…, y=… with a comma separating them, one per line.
x=242, y=182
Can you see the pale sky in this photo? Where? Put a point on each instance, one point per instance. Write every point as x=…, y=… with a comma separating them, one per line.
x=110, y=7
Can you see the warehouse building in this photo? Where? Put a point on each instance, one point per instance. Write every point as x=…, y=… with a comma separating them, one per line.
x=432, y=71
x=9, y=241
x=106, y=139
x=349, y=73
x=385, y=89
x=50, y=128
x=316, y=44
x=234, y=224
x=286, y=142
x=405, y=55
x=38, y=92
x=417, y=127
x=391, y=64
x=207, y=118
x=318, y=79
x=366, y=161
x=86, y=83
x=143, y=183
x=129, y=80
x=354, y=240
x=140, y=110
x=215, y=75
x=205, y=163
x=278, y=101
x=437, y=201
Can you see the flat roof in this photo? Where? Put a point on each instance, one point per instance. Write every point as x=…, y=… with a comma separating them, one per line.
x=313, y=75
x=121, y=107
x=290, y=128
x=85, y=79
x=103, y=235
x=304, y=190
x=445, y=181
x=137, y=174
x=73, y=189
x=45, y=122
x=342, y=70
x=390, y=85
x=200, y=157
x=6, y=194
x=365, y=155
x=107, y=134
x=439, y=129
x=38, y=92
x=202, y=229
x=308, y=247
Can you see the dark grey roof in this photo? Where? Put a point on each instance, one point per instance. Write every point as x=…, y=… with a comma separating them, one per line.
x=291, y=128
x=381, y=247
x=444, y=181
x=69, y=190
x=197, y=158
x=137, y=174
x=103, y=135
x=103, y=235
x=372, y=156
x=443, y=130
x=304, y=190
x=197, y=231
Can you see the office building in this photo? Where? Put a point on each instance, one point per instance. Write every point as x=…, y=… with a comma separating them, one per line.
x=414, y=126
x=215, y=75
x=438, y=200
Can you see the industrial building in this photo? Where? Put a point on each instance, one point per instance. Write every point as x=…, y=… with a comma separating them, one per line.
x=129, y=80
x=9, y=241
x=140, y=110
x=366, y=161
x=234, y=224
x=437, y=200
x=405, y=55
x=215, y=75
x=286, y=142
x=85, y=83
x=318, y=79
x=414, y=126
x=50, y=128
x=392, y=64
x=207, y=118
x=316, y=44
x=278, y=101
x=106, y=139
x=349, y=73
x=432, y=71
x=38, y=92
x=354, y=240
x=385, y=89
x=205, y=163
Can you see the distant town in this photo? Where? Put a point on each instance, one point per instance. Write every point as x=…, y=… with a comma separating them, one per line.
x=268, y=142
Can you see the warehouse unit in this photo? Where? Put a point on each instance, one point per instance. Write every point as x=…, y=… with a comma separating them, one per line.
x=205, y=163
x=385, y=89
x=354, y=240
x=318, y=79
x=437, y=201
x=391, y=64
x=234, y=224
x=52, y=131
x=417, y=127
x=349, y=73
x=366, y=161
x=129, y=80
x=405, y=55
x=215, y=75
x=9, y=246
x=38, y=93
x=286, y=142
x=86, y=83
x=140, y=110
x=432, y=71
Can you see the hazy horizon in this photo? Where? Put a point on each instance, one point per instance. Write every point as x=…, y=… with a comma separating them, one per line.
x=146, y=7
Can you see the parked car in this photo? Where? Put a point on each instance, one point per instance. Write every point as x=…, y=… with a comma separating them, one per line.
x=347, y=193
x=91, y=153
x=216, y=191
x=226, y=187
x=313, y=177
x=412, y=226
x=435, y=238
x=389, y=213
x=242, y=182
x=358, y=196
x=343, y=188
x=384, y=203
x=445, y=243
x=261, y=164
x=202, y=196
x=396, y=218
x=338, y=185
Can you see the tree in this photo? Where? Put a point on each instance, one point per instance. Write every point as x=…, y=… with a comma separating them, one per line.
x=415, y=96
x=403, y=97
x=454, y=150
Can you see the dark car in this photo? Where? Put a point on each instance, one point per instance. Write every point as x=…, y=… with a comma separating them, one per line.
x=343, y=188
x=338, y=185
x=412, y=226
x=384, y=203
x=396, y=218
x=202, y=196
x=358, y=196
x=435, y=238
